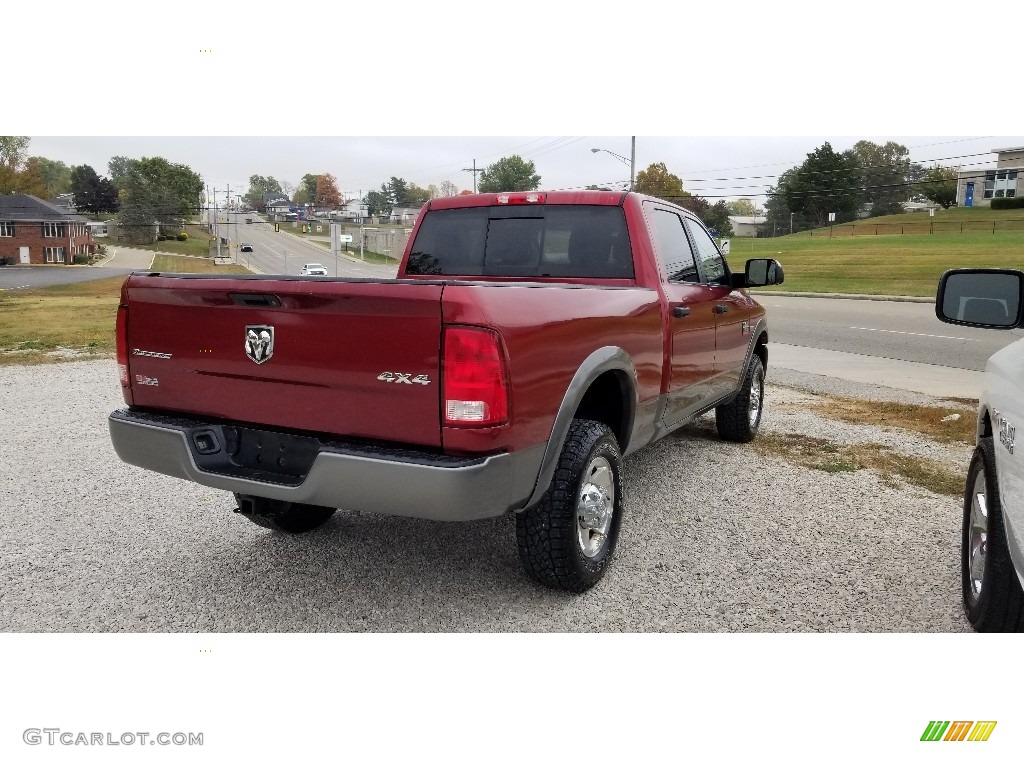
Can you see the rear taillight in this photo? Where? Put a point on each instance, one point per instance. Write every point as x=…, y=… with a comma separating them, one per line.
x=475, y=378
x=122, y=344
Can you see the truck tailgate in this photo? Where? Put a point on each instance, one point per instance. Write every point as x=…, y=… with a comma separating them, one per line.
x=348, y=357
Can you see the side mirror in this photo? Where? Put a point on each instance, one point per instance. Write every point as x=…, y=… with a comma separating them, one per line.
x=761, y=272
x=981, y=298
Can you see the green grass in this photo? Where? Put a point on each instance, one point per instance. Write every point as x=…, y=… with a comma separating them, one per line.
x=858, y=261
x=76, y=319
x=198, y=243
x=178, y=263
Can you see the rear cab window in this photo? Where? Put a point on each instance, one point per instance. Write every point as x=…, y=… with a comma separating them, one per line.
x=530, y=241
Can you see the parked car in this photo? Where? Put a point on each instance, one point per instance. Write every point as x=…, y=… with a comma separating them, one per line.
x=313, y=269
x=992, y=542
x=528, y=343
x=248, y=221
x=246, y=248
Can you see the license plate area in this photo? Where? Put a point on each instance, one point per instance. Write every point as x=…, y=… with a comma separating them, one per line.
x=254, y=453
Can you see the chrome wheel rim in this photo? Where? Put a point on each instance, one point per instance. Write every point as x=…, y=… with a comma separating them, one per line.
x=595, y=506
x=977, y=537
x=756, y=395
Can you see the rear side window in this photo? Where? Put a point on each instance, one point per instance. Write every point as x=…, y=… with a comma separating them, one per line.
x=524, y=241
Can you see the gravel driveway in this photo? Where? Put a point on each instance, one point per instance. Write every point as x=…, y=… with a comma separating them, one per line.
x=717, y=538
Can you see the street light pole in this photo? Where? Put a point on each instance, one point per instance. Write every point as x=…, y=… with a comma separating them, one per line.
x=630, y=161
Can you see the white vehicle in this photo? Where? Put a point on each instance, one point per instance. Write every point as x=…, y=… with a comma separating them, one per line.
x=992, y=545
x=313, y=269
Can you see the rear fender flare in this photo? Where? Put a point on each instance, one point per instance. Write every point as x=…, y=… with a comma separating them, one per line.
x=603, y=360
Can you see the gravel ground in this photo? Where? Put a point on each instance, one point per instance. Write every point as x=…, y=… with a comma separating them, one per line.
x=717, y=538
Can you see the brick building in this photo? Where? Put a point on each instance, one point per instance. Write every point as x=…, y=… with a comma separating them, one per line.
x=32, y=231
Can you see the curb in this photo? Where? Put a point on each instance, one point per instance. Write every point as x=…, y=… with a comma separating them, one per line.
x=852, y=296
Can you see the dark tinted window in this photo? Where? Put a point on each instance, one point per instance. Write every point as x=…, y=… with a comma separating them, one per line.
x=524, y=241
x=707, y=252
x=674, y=250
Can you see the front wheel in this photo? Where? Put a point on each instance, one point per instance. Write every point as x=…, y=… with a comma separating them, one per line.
x=567, y=539
x=284, y=516
x=993, y=598
x=738, y=420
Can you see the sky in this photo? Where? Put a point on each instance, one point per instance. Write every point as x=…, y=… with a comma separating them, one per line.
x=714, y=167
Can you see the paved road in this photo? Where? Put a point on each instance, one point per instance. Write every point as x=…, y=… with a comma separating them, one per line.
x=16, y=278
x=891, y=329
x=281, y=253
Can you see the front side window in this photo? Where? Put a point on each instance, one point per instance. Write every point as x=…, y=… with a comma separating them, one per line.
x=711, y=260
x=53, y=229
x=674, y=251
x=6, y=229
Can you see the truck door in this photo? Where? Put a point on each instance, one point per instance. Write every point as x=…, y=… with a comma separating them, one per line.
x=691, y=321
x=733, y=310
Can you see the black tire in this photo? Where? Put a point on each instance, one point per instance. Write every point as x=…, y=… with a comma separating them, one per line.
x=284, y=516
x=555, y=534
x=739, y=419
x=993, y=598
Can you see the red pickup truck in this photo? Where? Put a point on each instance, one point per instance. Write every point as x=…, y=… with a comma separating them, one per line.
x=529, y=341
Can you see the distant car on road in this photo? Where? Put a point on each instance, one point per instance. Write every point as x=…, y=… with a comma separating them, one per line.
x=248, y=221
x=314, y=269
x=246, y=248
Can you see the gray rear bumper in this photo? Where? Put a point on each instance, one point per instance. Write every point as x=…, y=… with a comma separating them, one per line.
x=370, y=479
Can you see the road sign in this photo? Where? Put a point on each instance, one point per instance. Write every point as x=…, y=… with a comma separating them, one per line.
x=345, y=238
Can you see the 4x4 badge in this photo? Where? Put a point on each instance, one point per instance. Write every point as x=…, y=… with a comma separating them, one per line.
x=259, y=343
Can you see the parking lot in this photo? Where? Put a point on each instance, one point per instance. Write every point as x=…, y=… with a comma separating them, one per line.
x=717, y=537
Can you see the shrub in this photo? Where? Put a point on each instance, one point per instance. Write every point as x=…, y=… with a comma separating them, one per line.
x=183, y=236
x=161, y=236
x=1003, y=203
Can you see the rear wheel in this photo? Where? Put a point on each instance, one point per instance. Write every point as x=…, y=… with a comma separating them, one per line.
x=738, y=420
x=284, y=516
x=568, y=538
x=993, y=598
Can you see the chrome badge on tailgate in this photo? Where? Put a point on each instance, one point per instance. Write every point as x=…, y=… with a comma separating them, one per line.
x=259, y=343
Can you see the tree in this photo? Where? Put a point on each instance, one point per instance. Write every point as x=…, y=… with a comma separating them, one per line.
x=884, y=175
x=158, y=191
x=288, y=188
x=397, y=191
x=939, y=184
x=260, y=186
x=447, y=189
x=716, y=217
x=416, y=196
x=509, y=174
x=92, y=193
x=327, y=195
x=13, y=151
x=656, y=181
x=780, y=220
x=18, y=173
x=377, y=202
x=827, y=182
x=56, y=175
x=118, y=168
x=743, y=207
x=307, y=185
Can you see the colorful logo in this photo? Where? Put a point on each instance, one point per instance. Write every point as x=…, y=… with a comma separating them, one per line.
x=958, y=730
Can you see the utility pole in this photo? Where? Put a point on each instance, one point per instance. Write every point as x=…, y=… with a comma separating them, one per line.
x=229, y=229
x=475, y=171
x=632, y=162
x=216, y=222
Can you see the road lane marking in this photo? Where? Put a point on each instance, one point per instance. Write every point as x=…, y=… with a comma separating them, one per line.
x=908, y=333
